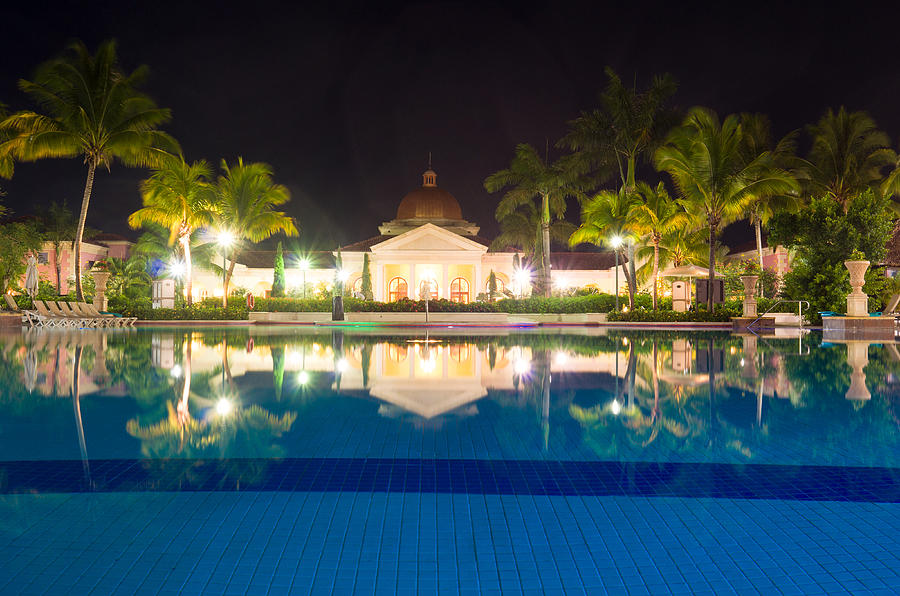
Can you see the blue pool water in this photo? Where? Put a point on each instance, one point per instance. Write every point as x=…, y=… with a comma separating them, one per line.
x=583, y=461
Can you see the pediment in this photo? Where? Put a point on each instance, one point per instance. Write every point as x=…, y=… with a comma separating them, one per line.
x=427, y=404
x=429, y=237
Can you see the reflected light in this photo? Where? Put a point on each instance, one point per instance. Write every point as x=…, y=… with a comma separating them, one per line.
x=615, y=407
x=302, y=377
x=428, y=364
x=522, y=367
x=176, y=371
x=561, y=358
x=224, y=407
x=742, y=362
x=342, y=365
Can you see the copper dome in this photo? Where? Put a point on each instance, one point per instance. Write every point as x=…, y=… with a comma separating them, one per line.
x=429, y=202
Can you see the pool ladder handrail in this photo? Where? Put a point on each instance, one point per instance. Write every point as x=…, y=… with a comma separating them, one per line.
x=800, y=304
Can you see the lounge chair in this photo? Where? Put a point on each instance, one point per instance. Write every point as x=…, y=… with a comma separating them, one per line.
x=50, y=318
x=80, y=308
x=29, y=317
x=70, y=309
x=117, y=320
x=75, y=320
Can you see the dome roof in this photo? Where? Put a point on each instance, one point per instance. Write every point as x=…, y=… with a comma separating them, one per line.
x=429, y=202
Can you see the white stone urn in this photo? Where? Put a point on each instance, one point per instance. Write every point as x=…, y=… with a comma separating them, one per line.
x=100, y=279
x=858, y=358
x=749, y=282
x=857, y=301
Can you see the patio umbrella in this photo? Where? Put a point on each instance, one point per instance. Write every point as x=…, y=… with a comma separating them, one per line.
x=31, y=276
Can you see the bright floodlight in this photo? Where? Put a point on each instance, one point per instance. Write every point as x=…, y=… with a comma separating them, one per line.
x=224, y=407
x=304, y=264
x=522, y=276
x=343, y=275
x=225, y=239
x=616, y=241
x=177, y=268
x=615, y=407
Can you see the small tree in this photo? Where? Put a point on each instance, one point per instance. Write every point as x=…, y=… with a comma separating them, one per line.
x=278, y=282
x=492, y=285
x=366, y=279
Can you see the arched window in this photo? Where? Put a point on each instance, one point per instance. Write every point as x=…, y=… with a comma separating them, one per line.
x=459, y=352
x=432, y=285
x=397, y=353
x=501, y=285
x=459, y=290
x=396, y=289
x=357, y=287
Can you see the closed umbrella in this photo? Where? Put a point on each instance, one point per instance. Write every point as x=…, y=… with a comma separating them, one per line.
x=30, y=366
x=31, y=276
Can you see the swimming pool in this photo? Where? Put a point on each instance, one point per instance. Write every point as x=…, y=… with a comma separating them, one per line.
x=569, y=460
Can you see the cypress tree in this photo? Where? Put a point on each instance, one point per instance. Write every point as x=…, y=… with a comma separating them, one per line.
x=366, y=279
x=492, y=285
x=278, y=282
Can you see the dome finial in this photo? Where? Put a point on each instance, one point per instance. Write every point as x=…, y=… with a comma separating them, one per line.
x=429, y=177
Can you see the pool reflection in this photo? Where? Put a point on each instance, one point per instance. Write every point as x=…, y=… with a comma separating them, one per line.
x=250, y=393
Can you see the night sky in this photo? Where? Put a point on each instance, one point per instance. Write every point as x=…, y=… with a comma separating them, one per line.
x=346, y=101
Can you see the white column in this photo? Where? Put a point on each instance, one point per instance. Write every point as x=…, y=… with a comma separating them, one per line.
x=445, y=285
x=474, y=291
x=413, y=290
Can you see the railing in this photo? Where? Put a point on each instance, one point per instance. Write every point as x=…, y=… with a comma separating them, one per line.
x=800, y=304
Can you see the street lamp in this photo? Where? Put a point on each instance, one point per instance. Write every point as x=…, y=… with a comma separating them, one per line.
x=225, y=240
x=616, y=242
x=522, y=277
x=304, y=267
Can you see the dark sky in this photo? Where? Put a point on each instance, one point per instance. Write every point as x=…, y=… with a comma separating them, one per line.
x=346, y=101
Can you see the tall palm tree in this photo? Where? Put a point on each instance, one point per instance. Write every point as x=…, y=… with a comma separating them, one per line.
x=178, y=196
x=127, y=276
x=534, y=178
x=848, y=155
x=521, y=229
x=715, y=175
x=246, y=198
x=757, y=138
x=605, y=216
x=656, y=215
x=89, y=108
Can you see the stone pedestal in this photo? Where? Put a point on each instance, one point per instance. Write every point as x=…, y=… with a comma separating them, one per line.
x=871, y=328
x=749, y=282
x=743, y=323
x=100, y=279
x=857, y=301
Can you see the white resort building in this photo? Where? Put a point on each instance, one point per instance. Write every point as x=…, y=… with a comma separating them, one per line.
x=427, y=241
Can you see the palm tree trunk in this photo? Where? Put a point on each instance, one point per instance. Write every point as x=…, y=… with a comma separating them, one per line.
x=655, y=270
x=712, y=265
x=758, y=226
x=228, y=275
x=188, y=271
x=79, y=233
x=545, y=244
x=632, y=276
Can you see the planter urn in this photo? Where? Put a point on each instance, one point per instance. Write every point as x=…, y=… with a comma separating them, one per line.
x=749, y=282
x=100, y=279
x=858, y=358
x=857, y=301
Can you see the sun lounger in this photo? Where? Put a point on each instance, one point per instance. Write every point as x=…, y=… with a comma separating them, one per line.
x=50, y=318
x=57, y=309
x=80, y=308
x=29, y=317
x=70, y=309
x=117, y=320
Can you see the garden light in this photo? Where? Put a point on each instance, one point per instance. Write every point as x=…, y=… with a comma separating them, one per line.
x=302, y=377
x=615, y=407
x=177, y=268
x=224, y=407
x=225, y=239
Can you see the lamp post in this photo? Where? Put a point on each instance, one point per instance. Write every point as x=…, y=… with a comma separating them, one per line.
x=616, y=242
x=225, y=240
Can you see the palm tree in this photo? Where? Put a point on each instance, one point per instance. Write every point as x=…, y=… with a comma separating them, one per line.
x=246, y=198
x=179, y=197
x=604, y=217
x=90, y=108
x=848, y=155
x=656, y=215
x=715, y=175
x=521, y=229
x=531, y=178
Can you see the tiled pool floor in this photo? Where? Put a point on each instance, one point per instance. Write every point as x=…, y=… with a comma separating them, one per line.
x=385, y=542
